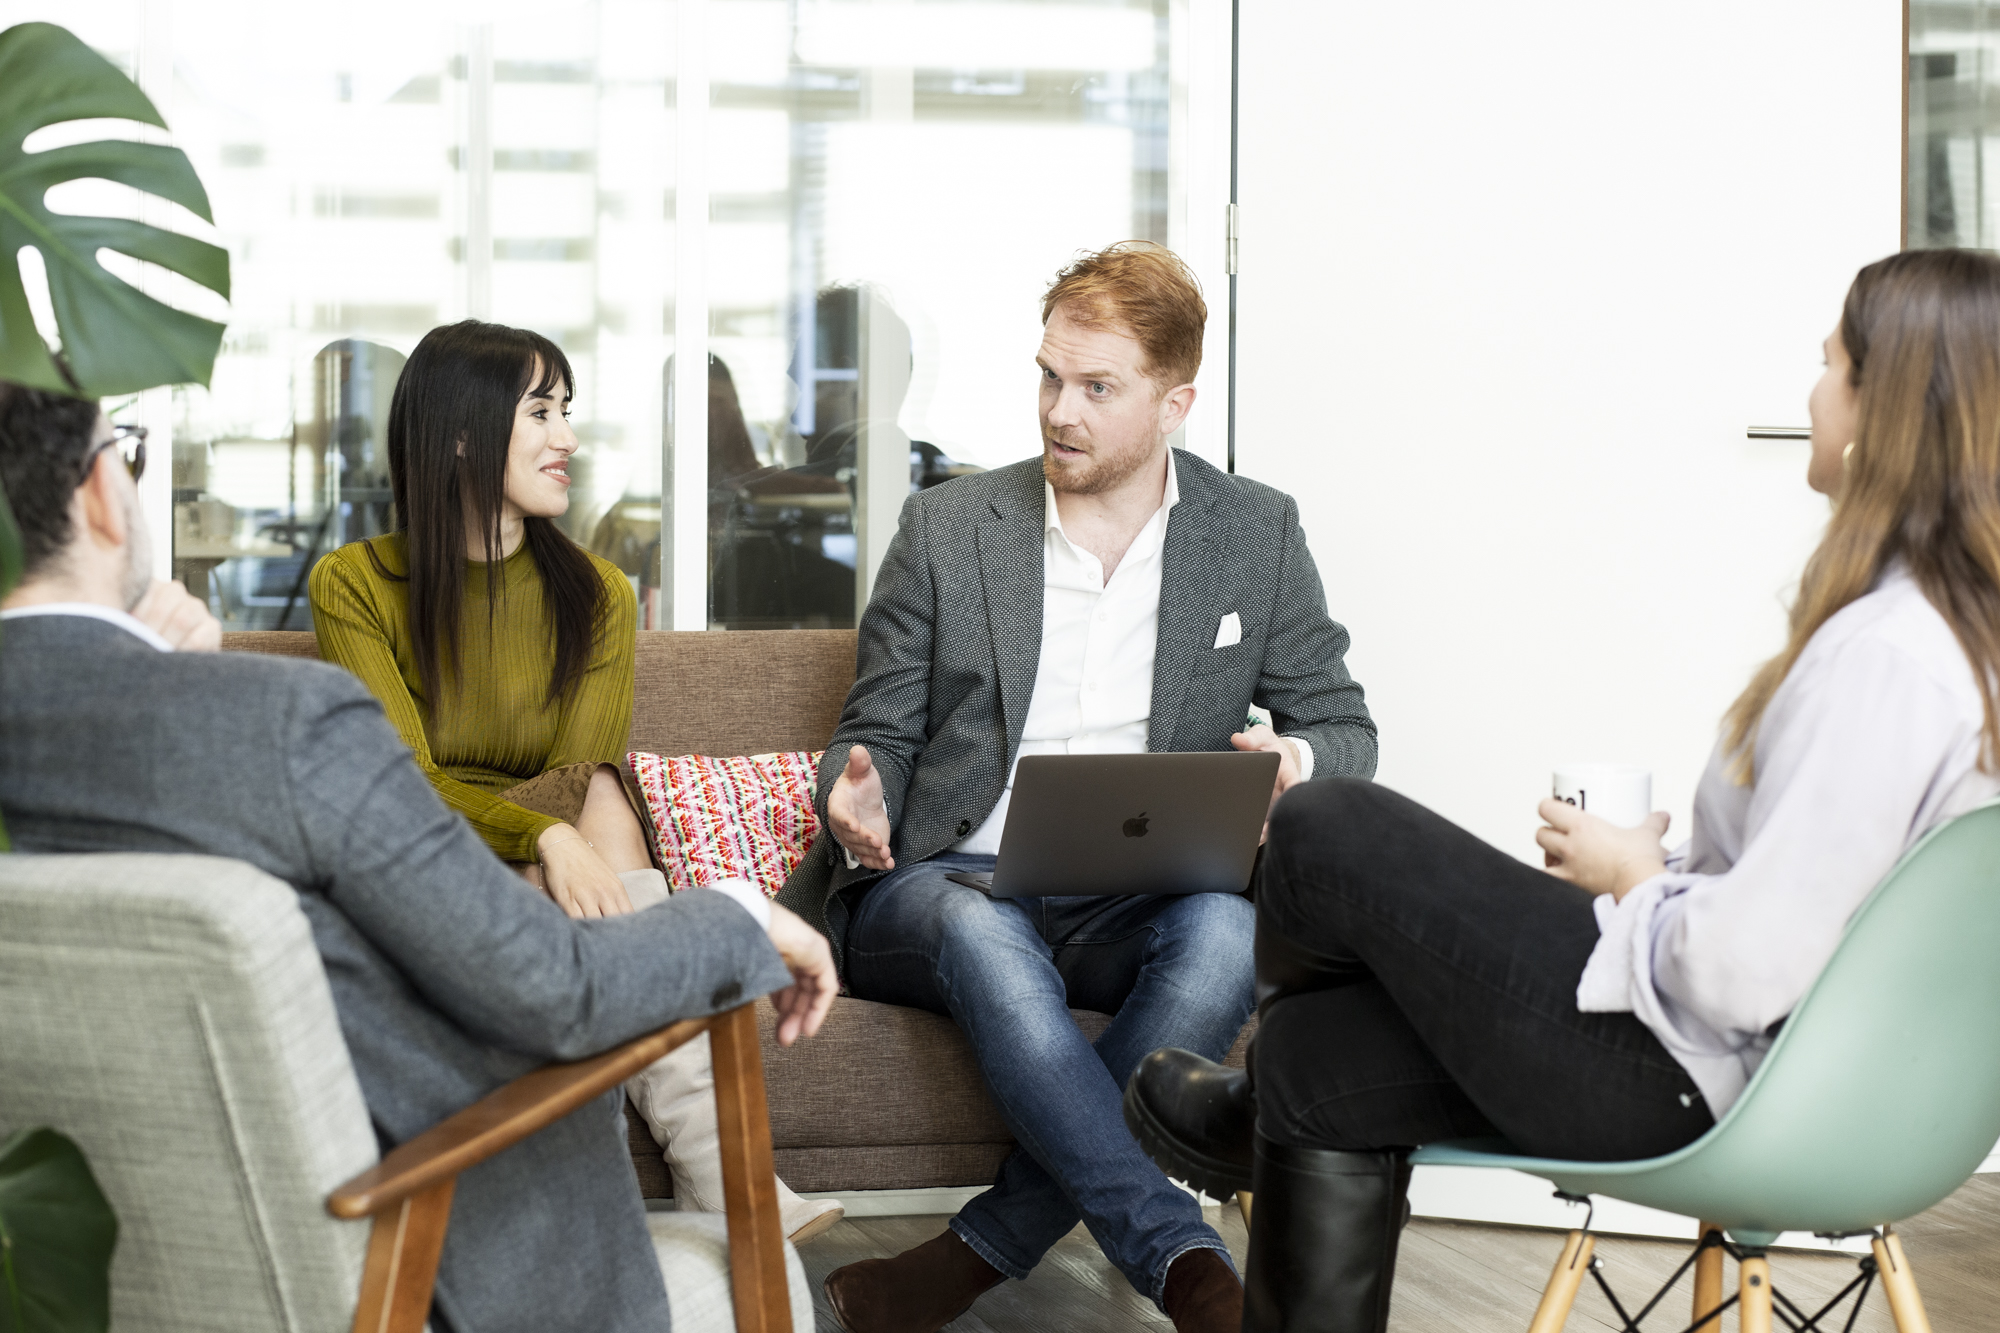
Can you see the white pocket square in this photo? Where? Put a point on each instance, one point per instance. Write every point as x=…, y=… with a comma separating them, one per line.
x=1229, y=631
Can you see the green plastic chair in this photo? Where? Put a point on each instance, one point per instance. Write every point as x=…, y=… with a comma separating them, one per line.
x=1880, y=1097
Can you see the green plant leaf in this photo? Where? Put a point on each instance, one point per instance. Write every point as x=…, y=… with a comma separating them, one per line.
x=10, y=574
x=56, y=1236
x=115, y=338
x=10, y=548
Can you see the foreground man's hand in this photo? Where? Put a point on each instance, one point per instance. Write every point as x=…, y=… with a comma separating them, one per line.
x=1261, y=737
x=802, y=1005
x=179, y=617
x=1595, y=854
x=856, y=814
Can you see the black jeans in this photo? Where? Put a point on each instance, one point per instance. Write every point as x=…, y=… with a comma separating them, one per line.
x=1425, y=989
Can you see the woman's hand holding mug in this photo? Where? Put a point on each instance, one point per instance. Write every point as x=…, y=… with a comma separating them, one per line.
x=1599, y=834
x=1595, y=854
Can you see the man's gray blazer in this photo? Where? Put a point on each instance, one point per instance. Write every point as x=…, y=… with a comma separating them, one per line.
x=952, y=638
x=450, y=975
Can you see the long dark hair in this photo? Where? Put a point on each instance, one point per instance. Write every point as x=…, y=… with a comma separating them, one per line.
x=460, y=388
x=1922, y=480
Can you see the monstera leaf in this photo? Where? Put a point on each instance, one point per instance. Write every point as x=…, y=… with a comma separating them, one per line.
x=56, y=1235
x=10, y=574
x=115, y=338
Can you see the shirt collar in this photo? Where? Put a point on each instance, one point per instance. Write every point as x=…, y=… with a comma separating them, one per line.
x=1052, y=521
x=110, y=615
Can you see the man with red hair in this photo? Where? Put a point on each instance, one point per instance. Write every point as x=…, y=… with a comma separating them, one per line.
x=1113, y=596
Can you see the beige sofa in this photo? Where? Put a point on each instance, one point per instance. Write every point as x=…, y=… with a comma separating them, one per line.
x=885, y=1097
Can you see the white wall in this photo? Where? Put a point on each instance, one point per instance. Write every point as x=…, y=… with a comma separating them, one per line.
x=1514, y=280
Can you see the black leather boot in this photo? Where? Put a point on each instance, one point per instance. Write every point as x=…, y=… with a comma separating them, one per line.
x=1323, y=1239
x=1195, y=1118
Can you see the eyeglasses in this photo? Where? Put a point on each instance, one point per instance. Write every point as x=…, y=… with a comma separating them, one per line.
x=130, y=442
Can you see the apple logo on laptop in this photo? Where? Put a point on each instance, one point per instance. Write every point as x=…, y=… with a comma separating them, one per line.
x=1136, y=828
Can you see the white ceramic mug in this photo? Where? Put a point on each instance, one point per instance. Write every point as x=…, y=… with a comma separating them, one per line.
x=1619, y=793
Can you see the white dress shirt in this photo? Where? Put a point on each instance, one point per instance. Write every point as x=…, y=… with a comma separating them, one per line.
x=1872, y=739
x=110, y=615
x=1094, y=683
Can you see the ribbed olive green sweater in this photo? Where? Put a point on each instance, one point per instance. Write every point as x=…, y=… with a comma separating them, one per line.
x=496, y=730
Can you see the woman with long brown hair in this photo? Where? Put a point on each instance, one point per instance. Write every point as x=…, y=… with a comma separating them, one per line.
x=503, y=653
x=1416, y=984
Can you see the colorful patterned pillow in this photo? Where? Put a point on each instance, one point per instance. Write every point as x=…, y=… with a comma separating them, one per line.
x=741, y=817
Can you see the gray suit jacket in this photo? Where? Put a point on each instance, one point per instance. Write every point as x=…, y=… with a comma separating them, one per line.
x=450, y=975
x=951, y=642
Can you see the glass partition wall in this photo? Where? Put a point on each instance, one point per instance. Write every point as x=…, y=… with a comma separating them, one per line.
x=891, y=186
x=1954, y=124
x=844, y=210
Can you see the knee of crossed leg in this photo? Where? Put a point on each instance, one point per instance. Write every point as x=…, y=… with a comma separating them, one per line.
x=1344, y=1069
x=1318, y=827
x=1325, y=810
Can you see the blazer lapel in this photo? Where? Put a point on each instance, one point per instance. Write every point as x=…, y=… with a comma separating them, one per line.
x=1010, y=575
x=1191, y=562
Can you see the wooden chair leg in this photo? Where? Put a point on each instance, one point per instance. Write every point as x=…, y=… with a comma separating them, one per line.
x=1708, y=1283
x=1900, y=1285
x=1753, y=1291
x=1243, y=1205
x=1569, y=1273
x=749, y=1180
x=402, y=1263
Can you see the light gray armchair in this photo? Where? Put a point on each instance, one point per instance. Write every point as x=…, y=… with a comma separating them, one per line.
x=169, y=1013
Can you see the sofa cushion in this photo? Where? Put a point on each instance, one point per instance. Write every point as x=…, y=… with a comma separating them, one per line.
x=729, y=816
x=745, y=692
x=703, y=691
x=272, y=643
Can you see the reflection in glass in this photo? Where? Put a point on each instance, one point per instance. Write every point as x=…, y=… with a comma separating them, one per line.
x=495, y=161
x=251, y=516
x=1954, y=125
x=890, y=186
x=893, y=186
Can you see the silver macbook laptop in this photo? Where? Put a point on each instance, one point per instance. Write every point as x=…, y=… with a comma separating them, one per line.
x=1131, y=823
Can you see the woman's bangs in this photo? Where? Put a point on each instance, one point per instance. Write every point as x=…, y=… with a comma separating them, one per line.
x=547, y=367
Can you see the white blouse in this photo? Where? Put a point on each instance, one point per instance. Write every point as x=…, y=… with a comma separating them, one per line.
x=1873, y=738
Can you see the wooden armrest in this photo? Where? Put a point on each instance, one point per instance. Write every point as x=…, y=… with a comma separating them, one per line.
x=408, y=1193
x=501, y=1119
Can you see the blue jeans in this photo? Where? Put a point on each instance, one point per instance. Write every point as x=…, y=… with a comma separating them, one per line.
x=1174, y=971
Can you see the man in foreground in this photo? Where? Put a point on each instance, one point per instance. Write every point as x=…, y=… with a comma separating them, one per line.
x=450, y=975
x=1113, y=596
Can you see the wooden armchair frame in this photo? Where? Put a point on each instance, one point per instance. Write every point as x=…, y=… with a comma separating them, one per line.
x=408, y=1192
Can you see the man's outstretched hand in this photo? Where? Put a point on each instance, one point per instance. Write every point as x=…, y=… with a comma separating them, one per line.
x=856, y=813
x=802, y=1005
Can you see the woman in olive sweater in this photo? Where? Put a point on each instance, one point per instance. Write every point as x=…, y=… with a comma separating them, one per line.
x=502, y=652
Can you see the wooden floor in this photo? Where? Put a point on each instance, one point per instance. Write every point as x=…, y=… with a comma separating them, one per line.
x=1461, y=1278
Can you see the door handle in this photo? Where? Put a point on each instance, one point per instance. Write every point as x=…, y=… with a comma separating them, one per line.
x=1779, y=432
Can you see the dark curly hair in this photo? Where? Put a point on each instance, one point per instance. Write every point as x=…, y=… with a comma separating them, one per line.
x=44, y=438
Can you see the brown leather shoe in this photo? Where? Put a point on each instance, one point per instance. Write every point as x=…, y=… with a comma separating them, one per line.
x=1203, y=1295
x=920, y=1290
